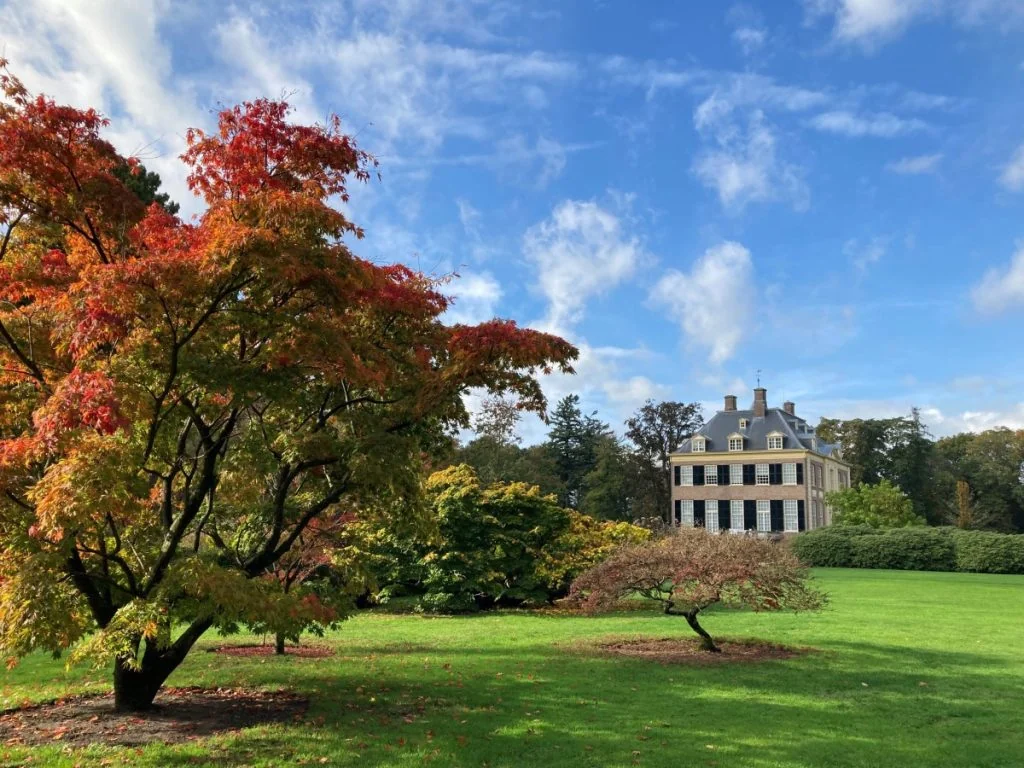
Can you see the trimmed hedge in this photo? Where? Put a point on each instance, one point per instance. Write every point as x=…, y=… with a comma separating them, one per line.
x=911, y=549
x=987, y=552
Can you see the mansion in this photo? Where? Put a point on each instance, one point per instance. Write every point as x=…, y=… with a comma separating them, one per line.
x=761, y=469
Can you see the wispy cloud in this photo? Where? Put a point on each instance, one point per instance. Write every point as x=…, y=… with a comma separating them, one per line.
x=915, y=166
x=879, y=125
x=1001, y=288
x=579, y=252
x=1012, y=177
x=710, y=302
x=742, y=165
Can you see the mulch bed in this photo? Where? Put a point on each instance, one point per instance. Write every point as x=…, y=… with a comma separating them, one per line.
x=180, y=715
x=302, y=651
x=674, y=650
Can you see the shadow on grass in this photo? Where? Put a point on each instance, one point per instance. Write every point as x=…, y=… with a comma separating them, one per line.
x=858, y=704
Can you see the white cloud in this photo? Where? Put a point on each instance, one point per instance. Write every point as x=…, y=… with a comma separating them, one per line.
x=749, y=39
x=914, y=166
x=1001, y=288
x=1012, y=177
x=880, y=125
x=711, y=302
x=579, y=252
x=109, y=54
x=475, y=298
x=871, y=23
x=863, y=255
x=743, y=166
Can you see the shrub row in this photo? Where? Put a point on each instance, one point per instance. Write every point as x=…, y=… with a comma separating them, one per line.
x=911, y=549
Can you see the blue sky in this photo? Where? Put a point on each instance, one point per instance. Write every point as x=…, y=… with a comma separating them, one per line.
x=829, y=191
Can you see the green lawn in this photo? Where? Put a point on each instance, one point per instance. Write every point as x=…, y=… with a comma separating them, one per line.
x=915, y=669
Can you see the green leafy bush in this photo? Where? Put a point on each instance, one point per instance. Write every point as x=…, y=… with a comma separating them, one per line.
x=880, y=505
x=917, y=549
x=988, y=552
x=922, y=549
x=828, y=547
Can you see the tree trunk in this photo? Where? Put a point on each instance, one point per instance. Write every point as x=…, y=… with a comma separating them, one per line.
x=135, y=689
x=279, y=644
x=706, y=642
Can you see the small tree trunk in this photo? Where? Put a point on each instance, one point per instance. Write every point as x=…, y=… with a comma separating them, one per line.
x=706, y=642
x=279, y=644
x=135, y=689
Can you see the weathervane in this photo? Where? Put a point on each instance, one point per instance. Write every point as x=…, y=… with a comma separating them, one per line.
x=758, y=377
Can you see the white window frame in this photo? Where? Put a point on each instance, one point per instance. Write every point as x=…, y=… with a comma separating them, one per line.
x=735, y=443
x=774, y=442
x=687, y=474
x=789, y=474
x=758, y=476
x=697, y=445
x=735, y=474
x=686, y=514
x=711, y=521
x=743, y=423
x=790, y=516
x=736, y=515
x=764, y=516
x=711, y=478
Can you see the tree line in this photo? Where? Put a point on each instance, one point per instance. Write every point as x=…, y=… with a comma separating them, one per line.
x=971, y=480
x=582, y=462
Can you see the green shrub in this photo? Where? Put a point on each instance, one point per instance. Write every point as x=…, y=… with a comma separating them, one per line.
x=911, y=549
x=923, y=549
x=829, y=547
x=988, y=552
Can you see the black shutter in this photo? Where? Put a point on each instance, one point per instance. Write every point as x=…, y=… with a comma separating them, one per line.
x=801, y=522
x=749, y=515
x=698, y=514
x=678, y=511
x=799, y=474
x=723, y=474
x=723, y=515
x=748, y=474
x=774, y=474
x=777, y=516
x=698, y=474
x=678, y=472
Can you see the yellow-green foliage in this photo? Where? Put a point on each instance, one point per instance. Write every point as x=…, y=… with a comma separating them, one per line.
x=586, y=542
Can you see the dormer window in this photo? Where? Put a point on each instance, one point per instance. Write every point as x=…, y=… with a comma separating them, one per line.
x=735, y=442
x=698, y=445
x=743, y=423
x=775, y=441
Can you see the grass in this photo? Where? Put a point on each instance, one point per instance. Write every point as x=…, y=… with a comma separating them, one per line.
x=916, y=669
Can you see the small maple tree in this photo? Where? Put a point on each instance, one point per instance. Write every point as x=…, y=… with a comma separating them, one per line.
x=180, y=401
x=691, y=570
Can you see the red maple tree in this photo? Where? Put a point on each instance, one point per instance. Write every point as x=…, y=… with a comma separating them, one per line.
x=181, y=400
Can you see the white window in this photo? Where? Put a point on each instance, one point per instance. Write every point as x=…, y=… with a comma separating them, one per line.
x=789, y=474
x=687, y=475
x=764, y=516
x=791, y=520
x=711, y=516
x=735, y=474
x=686, y=520
x=761, y=474
x=743, y=423
x=735, y=443
x=711, y=474
x=774, y=442
x=736, y=515
x=698, y=445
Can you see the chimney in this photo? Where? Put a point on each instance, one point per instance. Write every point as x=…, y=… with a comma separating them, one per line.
x=789, y=407
x=730, y=402
x=760, y=402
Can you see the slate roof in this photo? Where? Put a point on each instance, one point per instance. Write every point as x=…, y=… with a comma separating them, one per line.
x=796, y=433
